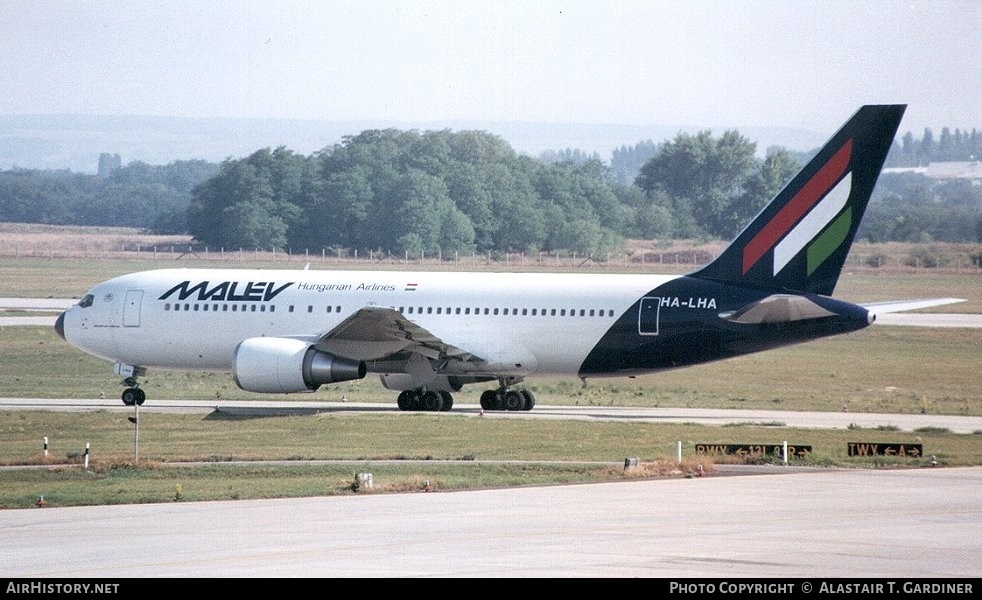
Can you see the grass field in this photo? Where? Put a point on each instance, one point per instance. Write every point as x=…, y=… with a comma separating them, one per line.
x=416, y=443
x=880, y=369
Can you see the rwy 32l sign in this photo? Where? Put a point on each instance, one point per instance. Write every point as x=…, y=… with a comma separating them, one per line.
x=752, y=450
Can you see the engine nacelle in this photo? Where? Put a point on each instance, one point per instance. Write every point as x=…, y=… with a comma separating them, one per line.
x=283, y=366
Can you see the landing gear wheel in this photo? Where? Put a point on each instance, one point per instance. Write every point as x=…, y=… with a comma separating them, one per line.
x=487, y=399
x=432, y=401
x=134, y=397
x=407, y=400
x=498, y=401
x=529, y=400
x=514, y=400
x=447, y=401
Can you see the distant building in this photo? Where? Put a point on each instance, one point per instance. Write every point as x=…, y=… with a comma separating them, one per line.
x=108, y=164
x=968, y=169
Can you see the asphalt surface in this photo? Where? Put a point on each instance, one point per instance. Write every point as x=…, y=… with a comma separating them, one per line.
x=901, y=524
x=778, y=418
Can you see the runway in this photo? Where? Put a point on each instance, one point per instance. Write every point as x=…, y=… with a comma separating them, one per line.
x=836, y=523
x=703, y=416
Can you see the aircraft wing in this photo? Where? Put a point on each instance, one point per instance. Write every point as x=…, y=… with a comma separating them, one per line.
x=376, y=333
x=905, y=305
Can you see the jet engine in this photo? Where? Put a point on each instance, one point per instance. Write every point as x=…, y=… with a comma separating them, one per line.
x=283, y=366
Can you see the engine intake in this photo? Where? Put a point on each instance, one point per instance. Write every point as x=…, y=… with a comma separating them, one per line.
x=283, y=366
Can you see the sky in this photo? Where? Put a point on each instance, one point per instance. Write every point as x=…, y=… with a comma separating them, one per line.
x=794, y=63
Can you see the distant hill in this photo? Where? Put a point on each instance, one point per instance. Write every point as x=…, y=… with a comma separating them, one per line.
x=74, y=142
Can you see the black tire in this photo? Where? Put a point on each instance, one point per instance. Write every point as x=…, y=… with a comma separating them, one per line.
x=432, y=401
x=130, y=396
x=498, y=401
x=141, y=397
x=406, y=400
x=487, y=399
x=529, y=400
x=447, y=398
x=514, y=400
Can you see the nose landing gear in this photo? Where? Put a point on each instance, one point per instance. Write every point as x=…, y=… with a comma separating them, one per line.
x=132, y=395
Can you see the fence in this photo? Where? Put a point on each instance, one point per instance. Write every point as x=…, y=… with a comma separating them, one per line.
x=956, y=257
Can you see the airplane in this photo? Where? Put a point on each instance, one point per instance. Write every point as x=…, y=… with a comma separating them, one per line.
x=427, y=334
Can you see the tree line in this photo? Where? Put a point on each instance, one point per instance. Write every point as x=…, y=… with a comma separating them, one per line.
x=469, y=191
x=139, y=195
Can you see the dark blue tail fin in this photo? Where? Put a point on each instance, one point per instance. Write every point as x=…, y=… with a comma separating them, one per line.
x=800, y=240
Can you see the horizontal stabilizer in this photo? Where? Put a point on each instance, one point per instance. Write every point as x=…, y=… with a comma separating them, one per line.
x=778, y=308
x=882, y=308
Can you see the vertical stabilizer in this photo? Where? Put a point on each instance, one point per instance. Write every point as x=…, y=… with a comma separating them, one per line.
x=800, y=240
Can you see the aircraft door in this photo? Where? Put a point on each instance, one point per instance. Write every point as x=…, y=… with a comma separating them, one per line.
x=131, y=308
x=648, y=314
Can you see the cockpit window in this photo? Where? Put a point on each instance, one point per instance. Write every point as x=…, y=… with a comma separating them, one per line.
x=86, y=301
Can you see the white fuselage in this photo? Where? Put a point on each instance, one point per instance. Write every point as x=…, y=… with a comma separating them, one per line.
x=189, y=319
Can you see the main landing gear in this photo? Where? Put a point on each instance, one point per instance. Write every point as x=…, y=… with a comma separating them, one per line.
x=425, y=400
x=504, y=399
x=440, y=401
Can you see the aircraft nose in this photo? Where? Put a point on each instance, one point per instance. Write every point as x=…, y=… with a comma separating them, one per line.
x=60, y=326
